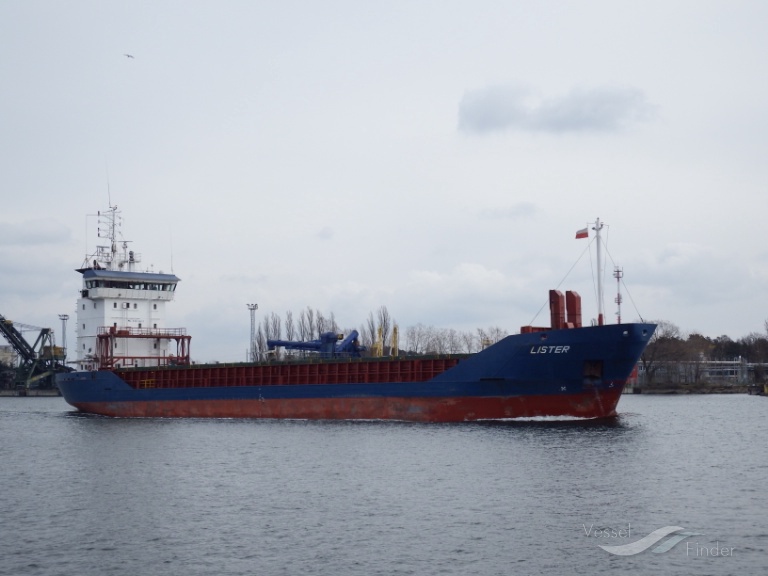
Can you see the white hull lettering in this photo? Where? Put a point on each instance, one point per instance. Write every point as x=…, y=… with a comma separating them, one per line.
x=550, y=349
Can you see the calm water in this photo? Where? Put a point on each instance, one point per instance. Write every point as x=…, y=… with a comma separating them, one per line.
x=83, y=495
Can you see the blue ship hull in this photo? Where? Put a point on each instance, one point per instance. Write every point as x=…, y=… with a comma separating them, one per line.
x=577, y=372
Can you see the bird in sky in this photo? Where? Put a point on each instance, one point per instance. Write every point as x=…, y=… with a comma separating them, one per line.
x=128, y=55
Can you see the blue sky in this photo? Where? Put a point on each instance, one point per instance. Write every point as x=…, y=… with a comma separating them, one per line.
x=433, y=157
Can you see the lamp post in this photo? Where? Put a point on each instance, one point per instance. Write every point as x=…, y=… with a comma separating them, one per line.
x=64, y=318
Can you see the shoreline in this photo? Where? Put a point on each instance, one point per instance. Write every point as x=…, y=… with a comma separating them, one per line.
x=683, y=389
x=33, y=393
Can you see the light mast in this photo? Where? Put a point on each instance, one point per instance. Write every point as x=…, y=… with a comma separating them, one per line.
x=598, y=227
x=618, y=273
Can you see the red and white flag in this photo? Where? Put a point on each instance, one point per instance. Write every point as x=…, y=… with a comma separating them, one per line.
x=583, y=233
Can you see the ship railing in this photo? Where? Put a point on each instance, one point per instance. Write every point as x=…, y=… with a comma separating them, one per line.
x=179, y=363
x=106, y=344
x=317, y=359
x=143, y=362
x=126, y=331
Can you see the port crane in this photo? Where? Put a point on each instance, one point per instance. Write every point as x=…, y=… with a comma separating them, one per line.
x=38, y=362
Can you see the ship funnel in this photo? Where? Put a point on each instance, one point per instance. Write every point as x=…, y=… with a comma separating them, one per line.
x=557, y=309
x=573, y=307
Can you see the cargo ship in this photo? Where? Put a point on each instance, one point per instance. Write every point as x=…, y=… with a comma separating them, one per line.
x=130, y=365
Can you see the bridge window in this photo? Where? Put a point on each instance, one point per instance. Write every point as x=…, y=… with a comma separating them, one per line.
x=128, y=285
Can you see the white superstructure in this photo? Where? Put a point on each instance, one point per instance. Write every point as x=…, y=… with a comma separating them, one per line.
x=121, y=311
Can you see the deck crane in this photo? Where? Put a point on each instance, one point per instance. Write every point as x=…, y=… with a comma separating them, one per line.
x=329, y=345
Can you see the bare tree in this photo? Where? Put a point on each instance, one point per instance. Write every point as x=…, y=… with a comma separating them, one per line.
x=468, y=340
x=290, y=330
x=415, y=338
x=370, y=330
x=363, y=338
x=310, y=323
x=438, y=343
x=755, y=347
x=267, y=328
x=261, y=345
x=496, y=333
x=664, y=348
x=385, y=324
x=453, y=341
x=697, y=351
x=303, y=326
x=483, y=338
x=320, y=322
x=276, y=325
x=421, y=339
x=724, y=348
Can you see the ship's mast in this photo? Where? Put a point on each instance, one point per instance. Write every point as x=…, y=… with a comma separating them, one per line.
x=598, y=227
x=109, y=223
x=109, y=229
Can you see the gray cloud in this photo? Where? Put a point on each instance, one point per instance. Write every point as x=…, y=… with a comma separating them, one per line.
x=499, y=108
x=517, y=211
x=33, y=232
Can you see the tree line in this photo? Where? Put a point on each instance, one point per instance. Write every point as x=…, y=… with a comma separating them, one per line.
x=379, y=332
x=688, y=354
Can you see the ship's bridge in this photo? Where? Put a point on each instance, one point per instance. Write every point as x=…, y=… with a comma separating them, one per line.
x=98, y=284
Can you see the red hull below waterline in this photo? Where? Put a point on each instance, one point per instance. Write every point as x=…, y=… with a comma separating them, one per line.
x=597, y=405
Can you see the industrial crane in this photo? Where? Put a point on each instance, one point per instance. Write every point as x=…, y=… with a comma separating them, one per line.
x=38, y=362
